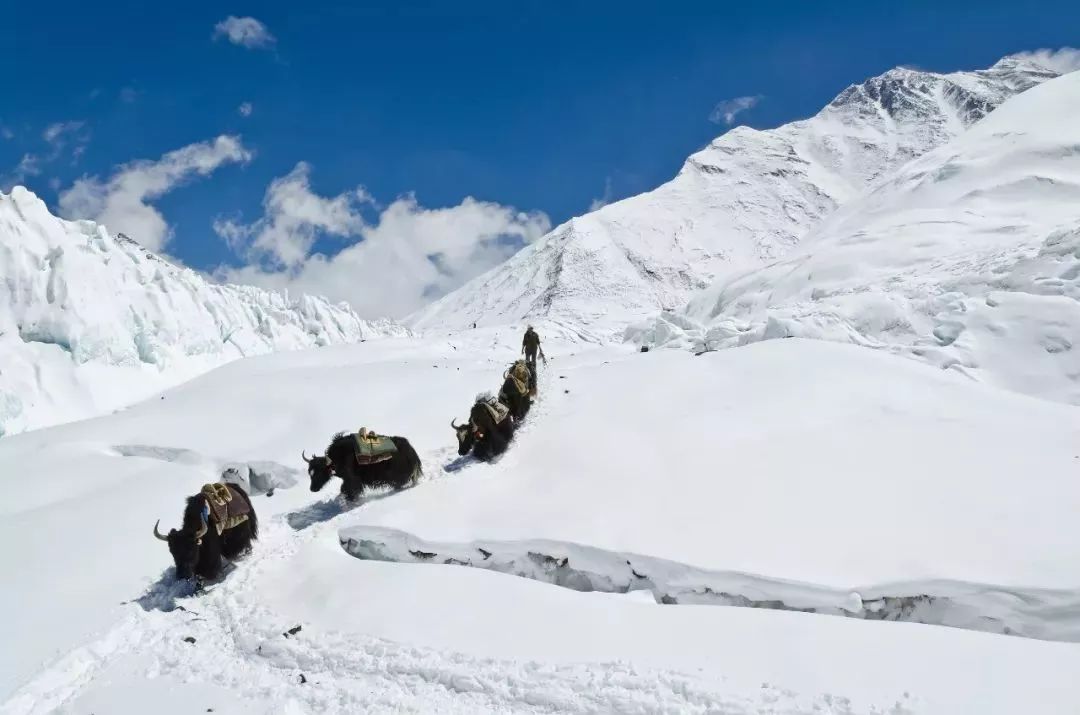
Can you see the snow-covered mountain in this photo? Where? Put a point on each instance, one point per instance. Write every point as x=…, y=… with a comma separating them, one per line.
x=744, y=200
x=90, y=322
x=968, y=257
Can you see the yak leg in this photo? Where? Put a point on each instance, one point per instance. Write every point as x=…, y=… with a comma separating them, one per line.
x=352, y=489
x=497, y=440
x=236, y=541
x=521, y=407
x=209, y=565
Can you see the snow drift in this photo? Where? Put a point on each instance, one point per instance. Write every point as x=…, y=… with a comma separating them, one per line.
x=968, y=257
x=746, y=199
x=90, y=322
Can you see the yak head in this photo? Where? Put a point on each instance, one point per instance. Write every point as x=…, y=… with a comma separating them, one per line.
x=184, y=547
x=320, y=469
x=466, y=436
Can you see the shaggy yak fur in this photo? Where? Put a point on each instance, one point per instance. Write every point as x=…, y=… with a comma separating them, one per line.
x=204, y=559
x=518, y=402
x=398, y=472
x=482, y=436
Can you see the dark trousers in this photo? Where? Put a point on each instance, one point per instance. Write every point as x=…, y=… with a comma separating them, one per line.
x=530, y=360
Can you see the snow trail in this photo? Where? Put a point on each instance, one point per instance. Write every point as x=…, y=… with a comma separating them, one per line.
x=253, y=665
x=239, y=645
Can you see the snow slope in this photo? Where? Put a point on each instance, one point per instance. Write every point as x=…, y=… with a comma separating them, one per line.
x=747, y=198
x=90, y=322
x=784, y=475
x=968, y=258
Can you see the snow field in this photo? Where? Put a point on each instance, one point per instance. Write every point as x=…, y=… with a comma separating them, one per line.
x=422, y=637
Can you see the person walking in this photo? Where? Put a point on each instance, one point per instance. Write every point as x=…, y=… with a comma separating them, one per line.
x=530, y=345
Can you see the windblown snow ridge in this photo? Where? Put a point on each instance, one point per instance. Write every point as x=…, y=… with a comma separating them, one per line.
x=1033, y=613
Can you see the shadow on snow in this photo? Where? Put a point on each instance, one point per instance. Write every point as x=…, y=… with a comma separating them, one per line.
x=323, y=511
x=163, y=594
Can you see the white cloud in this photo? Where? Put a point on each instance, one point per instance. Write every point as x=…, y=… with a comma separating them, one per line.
x=293, y=215
x=409, y=256
x=244, y=31
x=58, y=136
x=246, y=109
x=120, y=202
x=725, y=112
x=602, y=201
x=6, y=133
x=1062, y=61
x=28, y=166
x=57, y=132
x=128, y=95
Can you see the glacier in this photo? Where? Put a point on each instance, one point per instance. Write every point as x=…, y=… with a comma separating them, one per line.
x=91, y=322
x=745, y=200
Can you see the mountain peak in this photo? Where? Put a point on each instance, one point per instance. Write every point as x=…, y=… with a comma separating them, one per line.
x=1051, y=63
x=966, y=258
x=744, y=200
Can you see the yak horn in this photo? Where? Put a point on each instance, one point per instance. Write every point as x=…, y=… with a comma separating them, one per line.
x=303, y=456
x=454, y=424
x=157, y=533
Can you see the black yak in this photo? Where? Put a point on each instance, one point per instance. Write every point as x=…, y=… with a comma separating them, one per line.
x=218, y=521
x=517, y=390
x=400, y=469
x=488, y=432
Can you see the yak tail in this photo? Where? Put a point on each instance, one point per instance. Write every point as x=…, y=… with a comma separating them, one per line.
x=253, y=520
x=410, y=454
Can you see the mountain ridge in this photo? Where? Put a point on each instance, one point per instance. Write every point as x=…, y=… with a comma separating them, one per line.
x=967, y=258
x=745, y=199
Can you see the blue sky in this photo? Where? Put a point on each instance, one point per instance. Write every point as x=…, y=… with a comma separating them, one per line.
x=544, y=107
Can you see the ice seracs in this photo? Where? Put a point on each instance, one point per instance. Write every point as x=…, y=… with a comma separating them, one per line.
x=746, y=199
x=90, y=321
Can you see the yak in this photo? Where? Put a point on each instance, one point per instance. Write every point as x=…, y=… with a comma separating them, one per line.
x=516, y=393
x=483, y=435
x=339, y=460
x=218, y=522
